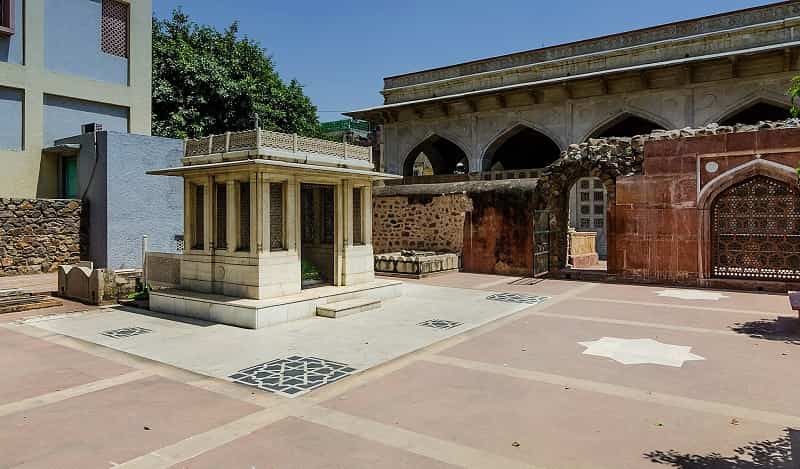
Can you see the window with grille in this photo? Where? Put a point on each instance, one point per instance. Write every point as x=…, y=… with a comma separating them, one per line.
x=244, y=216
x=307, y=196
x=326, y=194
x=114, y=28
x=276, y=216
x=6, y=17
x=198, y=241
x=358, y=236
x=222, y=216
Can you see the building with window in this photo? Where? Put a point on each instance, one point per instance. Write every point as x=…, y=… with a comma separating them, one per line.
x=65, y=63
x=515, y=116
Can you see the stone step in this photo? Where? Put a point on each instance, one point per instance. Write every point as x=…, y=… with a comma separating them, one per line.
x=340, y=309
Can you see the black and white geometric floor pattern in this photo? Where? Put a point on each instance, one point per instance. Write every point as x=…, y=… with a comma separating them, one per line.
x=292, y=376
x=125, y=332
x=518, y=298
x=440, y=324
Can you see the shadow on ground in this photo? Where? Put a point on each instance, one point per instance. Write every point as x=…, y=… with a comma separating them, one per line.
x=168, y=317
x=784, y=329
x=782, y=453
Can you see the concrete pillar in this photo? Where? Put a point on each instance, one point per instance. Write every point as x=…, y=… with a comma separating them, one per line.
x=338, y=237
x=347, y=212
x=264, y=214
x=366, y=214
x=254, y=222
x=188, y=218
x=292, y=214
x=208, y=211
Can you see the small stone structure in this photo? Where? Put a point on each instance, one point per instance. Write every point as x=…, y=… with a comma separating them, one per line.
x=264, y=212
x=38, y=235
x=416, y=264
x=84, y=283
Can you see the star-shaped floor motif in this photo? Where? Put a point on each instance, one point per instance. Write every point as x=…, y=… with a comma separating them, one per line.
x=640, y=351
x=691, y=294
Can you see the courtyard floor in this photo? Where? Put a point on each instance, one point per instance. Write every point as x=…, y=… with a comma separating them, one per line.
x=464, y=370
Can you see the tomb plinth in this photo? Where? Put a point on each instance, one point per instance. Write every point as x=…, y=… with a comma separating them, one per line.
x=582, y=249
x=416, y=264
x=267, y=214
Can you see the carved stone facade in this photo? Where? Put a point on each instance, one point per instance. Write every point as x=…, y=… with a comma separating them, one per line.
x=37, y=235
x=736, y=65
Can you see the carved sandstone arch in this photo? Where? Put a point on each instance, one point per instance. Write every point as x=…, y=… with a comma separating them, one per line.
x=444, y=155
x=730, y=178
x=768, y=103
x=521, y=146
x=634, y=122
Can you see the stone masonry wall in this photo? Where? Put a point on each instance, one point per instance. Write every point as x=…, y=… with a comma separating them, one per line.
x=425, y=223
x=37, y=235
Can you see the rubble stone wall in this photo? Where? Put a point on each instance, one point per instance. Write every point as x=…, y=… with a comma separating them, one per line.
x=427, y=223
x=37, y=235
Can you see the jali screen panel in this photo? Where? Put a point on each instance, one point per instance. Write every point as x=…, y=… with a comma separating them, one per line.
x=756, y=231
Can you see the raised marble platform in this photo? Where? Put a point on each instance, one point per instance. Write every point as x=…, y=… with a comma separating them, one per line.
x=255, y=314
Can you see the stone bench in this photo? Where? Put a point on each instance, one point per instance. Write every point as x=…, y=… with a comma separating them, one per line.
x=794, y=300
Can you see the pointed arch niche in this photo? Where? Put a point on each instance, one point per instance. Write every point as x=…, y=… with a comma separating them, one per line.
x=434, y=156
x=520, y=147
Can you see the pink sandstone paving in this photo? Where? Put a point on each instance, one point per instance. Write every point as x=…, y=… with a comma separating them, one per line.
x=32, y=367
x=96, y=429
x=555, y=427
x=735, y=299
x=737, y=370
x=562, y=428
x=665, y=314
x=293, y=443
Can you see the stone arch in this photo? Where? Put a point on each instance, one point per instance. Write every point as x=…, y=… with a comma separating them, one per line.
x=445, y=155
x=756, y=111
x=757, y=167
x=505, y=147
x=606, y=162
x=760, y=104
x=639, y=122
x=717, y=186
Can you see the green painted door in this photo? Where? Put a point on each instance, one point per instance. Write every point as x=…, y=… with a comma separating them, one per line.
x=69, y=177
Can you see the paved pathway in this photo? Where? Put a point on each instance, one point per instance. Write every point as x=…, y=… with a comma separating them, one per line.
x=518, y=391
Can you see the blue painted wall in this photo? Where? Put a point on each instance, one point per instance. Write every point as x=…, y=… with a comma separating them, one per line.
x=11, y=113
x=124, y=202
x=72, y=42
x=63, y=117
x=11, y=47
x=139, y=204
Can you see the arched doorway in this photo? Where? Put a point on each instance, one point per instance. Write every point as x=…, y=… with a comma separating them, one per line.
x=757, y=112
x=588, y=203
x=755, y=231
x=520, y=147
x=626, y=125
x=434, y=156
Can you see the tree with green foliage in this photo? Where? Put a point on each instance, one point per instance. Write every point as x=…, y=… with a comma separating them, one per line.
x=209, y=82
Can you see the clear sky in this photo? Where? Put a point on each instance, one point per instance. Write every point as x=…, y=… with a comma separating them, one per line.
x=341, y=50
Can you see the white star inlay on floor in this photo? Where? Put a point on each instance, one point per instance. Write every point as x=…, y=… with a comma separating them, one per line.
x=640, y=351
x=691, y=294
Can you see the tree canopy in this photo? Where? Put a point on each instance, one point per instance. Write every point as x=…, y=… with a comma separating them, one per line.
x=209, y=82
